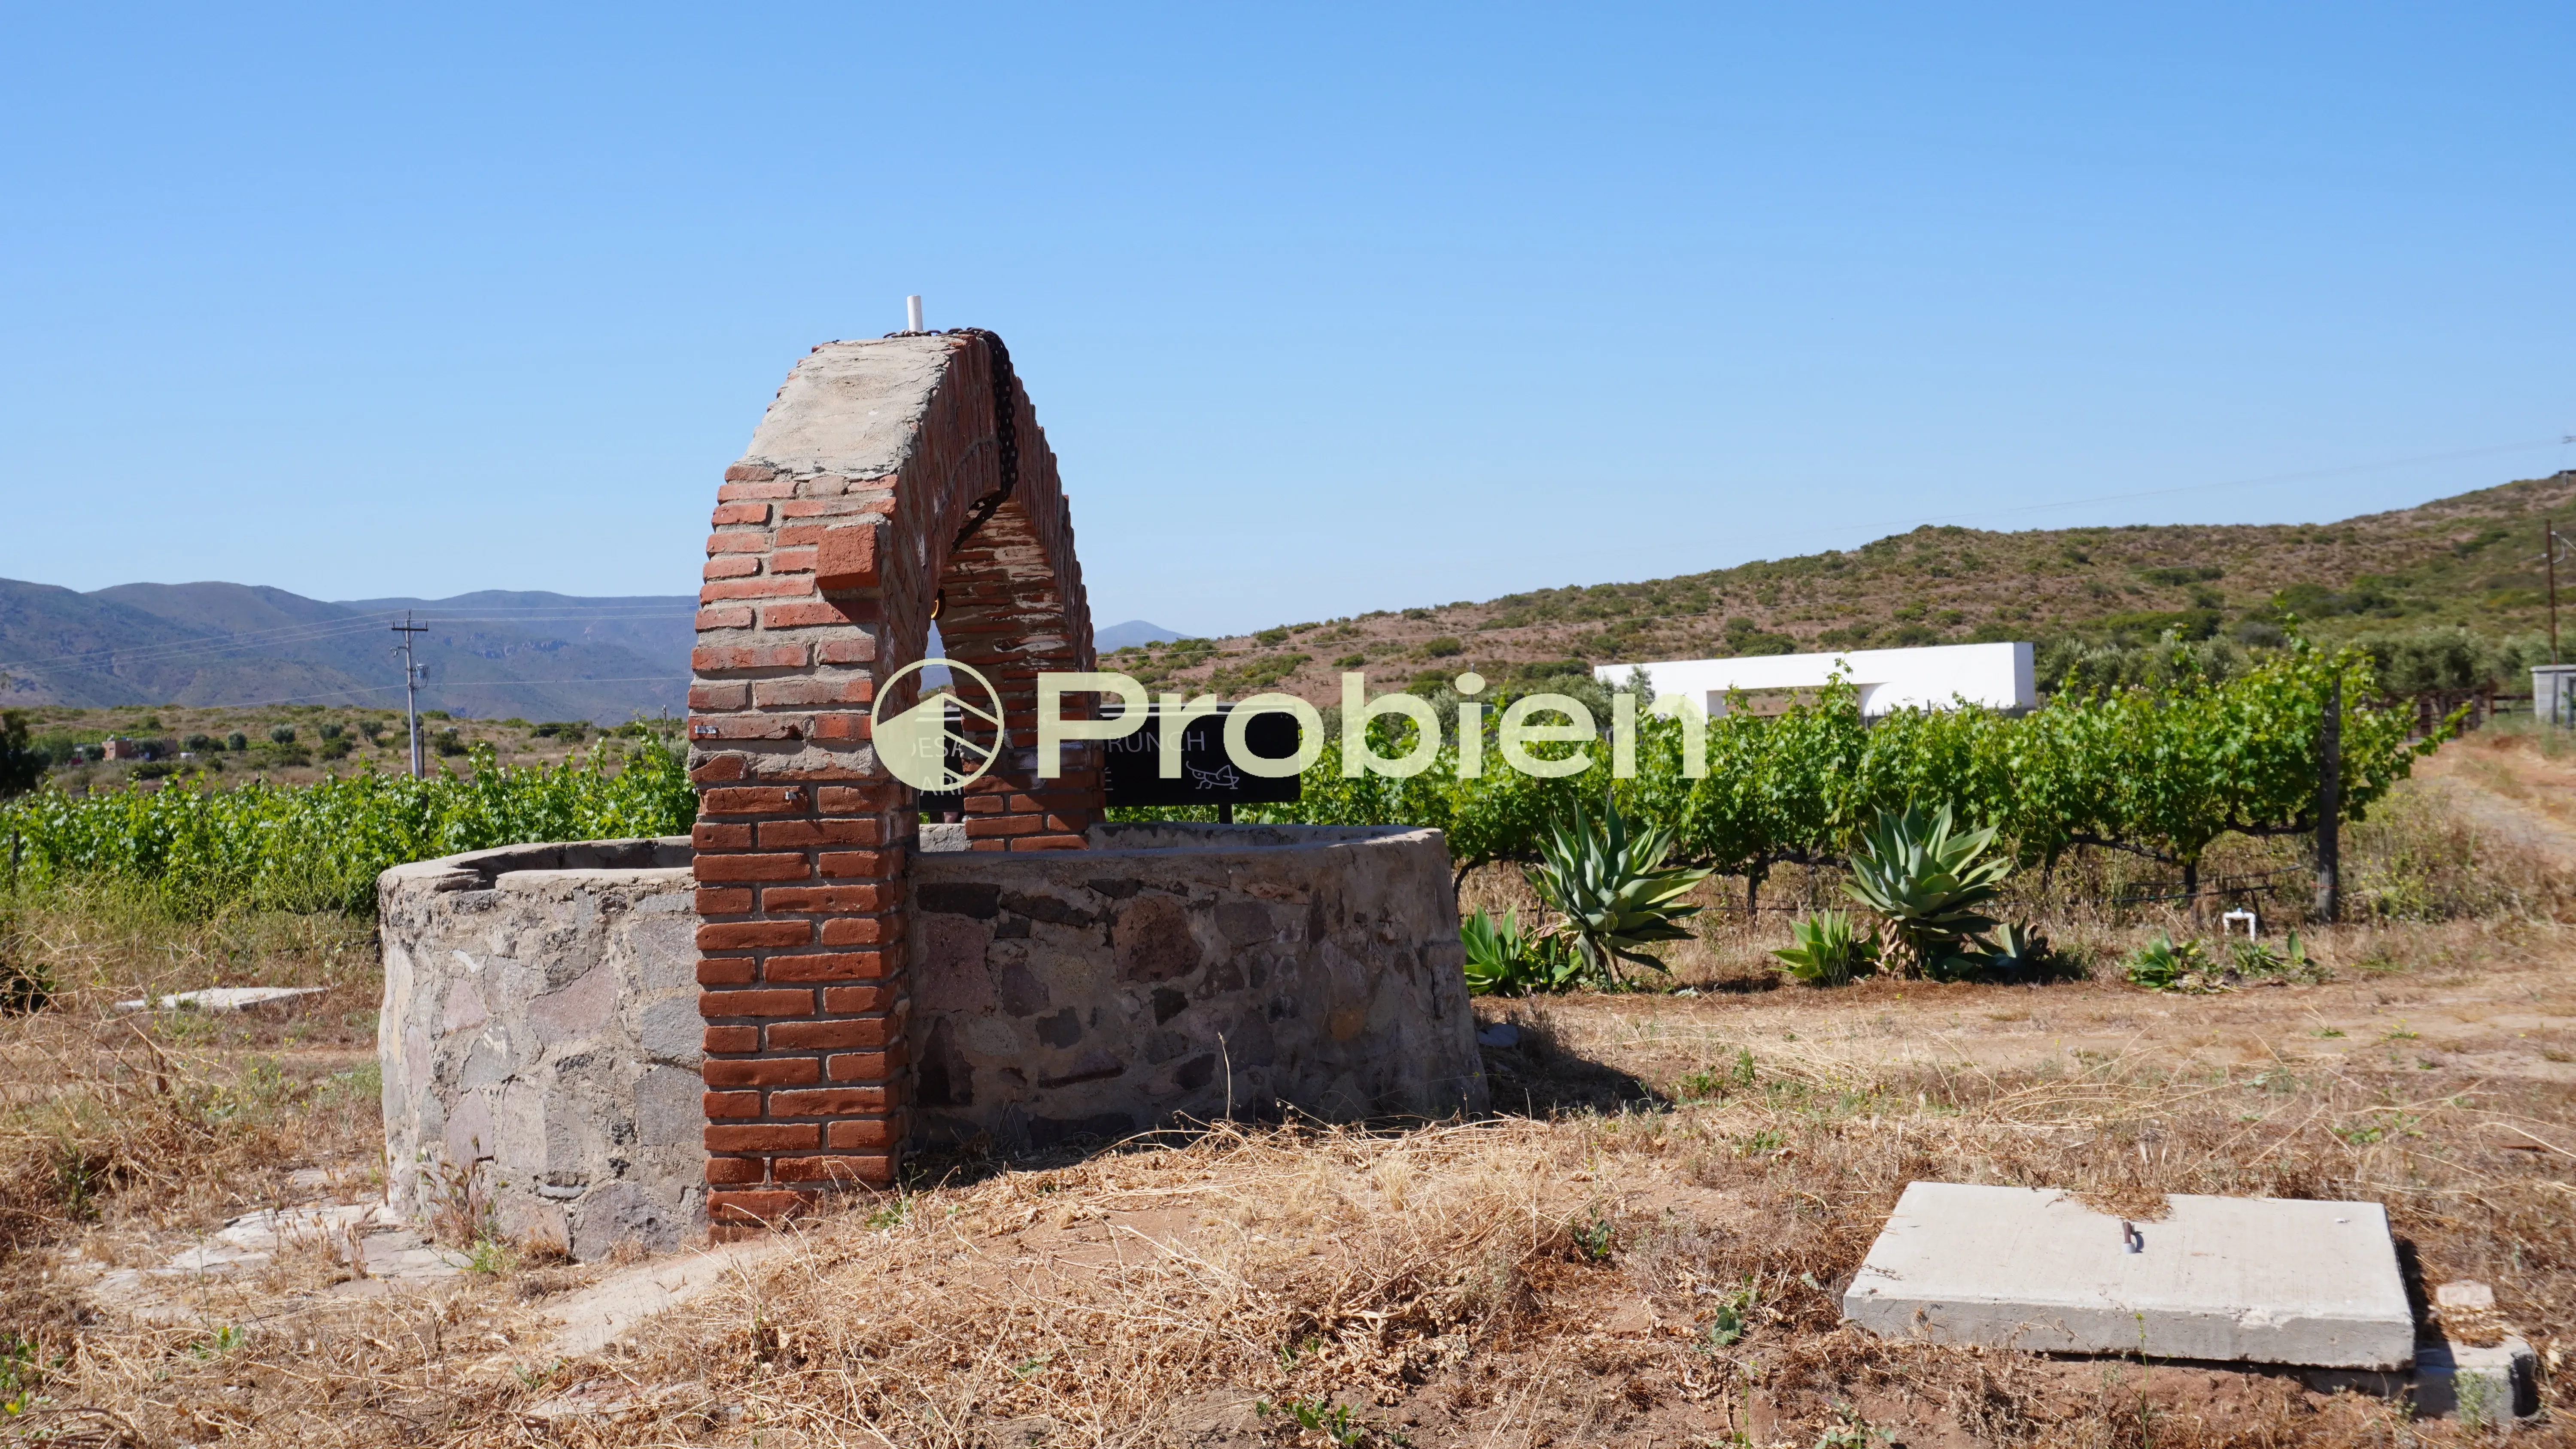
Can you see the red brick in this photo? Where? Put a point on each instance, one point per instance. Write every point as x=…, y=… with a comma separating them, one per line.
x=853, y=799
x=739, y=540
x=840, y=727
x=857, y=931
x=855, y=865
x=855, y=649
x=783, y=834
x=753, y=867
x=855, y=1067
x=845, y=559
x=730, y=1039
x=746, y=727
x=827, y=1101
x=791, y=587
x=723, y=901
x=731, y=566
x=750, y=473
x=825, y=1035
x=730, y=1104
x=716, y=769
x=739, y=1169
x=732, y=513
x=753, y=800
x=860, y=1132
x=747, y=656
x=756, y=1003
x=1050, y=842
x=794, y=693
x=752, y=935
x=801, y=616
x=708, y=836
x=763, y=1137
x=791, y=561
x=727, y=970
x=761, y=1208
x=731, y=616
x=1002, y=825
x=819, y=898
x=759, y=1072
x=865, y=1169
x=719, y=697
x=833, y=966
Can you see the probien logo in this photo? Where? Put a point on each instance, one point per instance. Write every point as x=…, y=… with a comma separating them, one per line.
x=915, y=742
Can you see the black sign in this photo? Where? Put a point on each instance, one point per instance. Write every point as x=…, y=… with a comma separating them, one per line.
x=1133, y=766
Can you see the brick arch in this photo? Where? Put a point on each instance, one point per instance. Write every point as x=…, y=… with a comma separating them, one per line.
x=834, y=534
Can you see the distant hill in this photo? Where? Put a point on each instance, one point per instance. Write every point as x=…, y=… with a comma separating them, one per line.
x=1134, y=631
x=490, y=655
x=2473, y=560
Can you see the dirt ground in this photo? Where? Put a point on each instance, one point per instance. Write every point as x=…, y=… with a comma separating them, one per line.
x=1643, y=1246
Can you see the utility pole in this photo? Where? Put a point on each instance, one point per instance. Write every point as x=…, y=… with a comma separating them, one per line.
x=2549, y=555
x=2329, y=903
x=411, y=682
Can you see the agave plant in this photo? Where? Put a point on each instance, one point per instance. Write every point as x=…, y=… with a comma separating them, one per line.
x=1926, y=878
x=1612, y=889
x=1503, y=962
x=1830, y=950
x=2019, y=952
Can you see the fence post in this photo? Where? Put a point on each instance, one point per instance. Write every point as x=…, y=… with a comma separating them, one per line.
x=2329, y=903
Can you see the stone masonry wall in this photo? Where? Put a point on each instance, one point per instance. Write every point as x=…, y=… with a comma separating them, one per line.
x=835, y=536
x=1189, y=972
x=539, y=1041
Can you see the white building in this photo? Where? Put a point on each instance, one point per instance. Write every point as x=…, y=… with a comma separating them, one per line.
x=1998, y=676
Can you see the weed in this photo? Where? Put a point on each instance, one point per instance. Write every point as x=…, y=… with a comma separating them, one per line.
x=223, y=1341
x=1332, y=1420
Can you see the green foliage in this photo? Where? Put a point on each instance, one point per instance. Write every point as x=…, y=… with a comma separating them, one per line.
x=237, y=741
x=1926, y=878
x=1503, y=962
x=1612, y=888
x=321, y=846
x=2163, y=965
x=21, y=763
x=2290, y=962
x=2018, y=953
x=1830, y=950
x=282, y=735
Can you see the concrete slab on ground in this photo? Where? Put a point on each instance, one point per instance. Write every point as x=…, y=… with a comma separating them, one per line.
x=591, y=1319
x=2262, y=1280
x=221, y=998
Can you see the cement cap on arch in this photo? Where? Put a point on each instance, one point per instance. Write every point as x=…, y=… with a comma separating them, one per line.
x=852, y=407
x=2263, y=1280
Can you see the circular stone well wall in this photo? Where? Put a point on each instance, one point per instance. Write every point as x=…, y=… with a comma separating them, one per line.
x=541, y=1018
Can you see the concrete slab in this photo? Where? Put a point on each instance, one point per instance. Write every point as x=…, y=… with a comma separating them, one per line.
x=2230, y=1279
x=221, y=998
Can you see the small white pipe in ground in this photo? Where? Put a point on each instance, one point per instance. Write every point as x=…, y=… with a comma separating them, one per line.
x=912, y=313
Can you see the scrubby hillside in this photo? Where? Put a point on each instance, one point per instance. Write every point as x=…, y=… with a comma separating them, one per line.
x=2472, y=560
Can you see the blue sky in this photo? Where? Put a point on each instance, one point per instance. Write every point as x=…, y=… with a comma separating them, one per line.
x=1324, y=309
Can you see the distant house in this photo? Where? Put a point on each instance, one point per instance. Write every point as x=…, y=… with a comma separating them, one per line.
x=118, y=748
x=1998, y=676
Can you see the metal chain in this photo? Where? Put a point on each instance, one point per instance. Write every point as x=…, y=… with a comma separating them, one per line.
x=1006, y=425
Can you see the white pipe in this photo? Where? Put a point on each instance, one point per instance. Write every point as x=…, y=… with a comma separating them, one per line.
x=912, y=313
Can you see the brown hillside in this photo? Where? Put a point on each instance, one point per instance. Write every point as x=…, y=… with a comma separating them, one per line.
x=2471, y=560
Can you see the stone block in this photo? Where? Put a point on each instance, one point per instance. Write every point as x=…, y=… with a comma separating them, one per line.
x=2482, y=1386
x=2227, y=1279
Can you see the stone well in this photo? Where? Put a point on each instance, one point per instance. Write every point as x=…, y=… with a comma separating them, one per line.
x=540, y=1037
x=541, y=1022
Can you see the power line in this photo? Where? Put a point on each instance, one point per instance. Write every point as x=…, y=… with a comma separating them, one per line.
x=287, y=634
